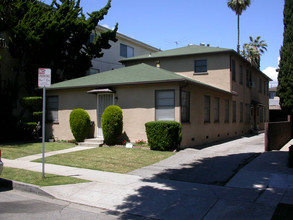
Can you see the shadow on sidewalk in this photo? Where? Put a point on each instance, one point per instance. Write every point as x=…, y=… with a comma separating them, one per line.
x=183, y=200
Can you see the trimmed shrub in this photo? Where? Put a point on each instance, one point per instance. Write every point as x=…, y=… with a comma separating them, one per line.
x=38, y=116
x=79, y=121
x=163, y=135
x=33, y=103
x=112, y=124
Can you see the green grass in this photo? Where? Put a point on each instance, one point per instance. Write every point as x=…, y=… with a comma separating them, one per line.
x=17, y=150
x=111, y=159
x=36, y=178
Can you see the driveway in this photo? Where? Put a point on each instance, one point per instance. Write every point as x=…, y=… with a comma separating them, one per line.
x=215, y=164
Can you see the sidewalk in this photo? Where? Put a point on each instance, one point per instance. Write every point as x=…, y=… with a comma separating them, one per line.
x=253, y=193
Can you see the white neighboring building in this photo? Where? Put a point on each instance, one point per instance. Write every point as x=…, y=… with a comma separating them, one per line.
x=124, y=47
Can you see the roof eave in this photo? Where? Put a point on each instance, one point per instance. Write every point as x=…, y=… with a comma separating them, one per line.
x=167, y=56
x=116, y=84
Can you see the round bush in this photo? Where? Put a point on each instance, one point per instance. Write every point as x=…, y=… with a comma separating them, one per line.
x=79, y=121
x=163, y=135
x=112, y=124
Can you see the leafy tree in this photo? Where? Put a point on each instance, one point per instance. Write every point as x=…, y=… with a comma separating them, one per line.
x=238, y=6
x=55, y=36
x=52, y=36
x=253, y=50
x=285, y=77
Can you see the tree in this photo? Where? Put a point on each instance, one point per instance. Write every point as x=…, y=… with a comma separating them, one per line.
x=285, y=77
x=253, y=50
x=55, y=36
x=238, y=6
x=52, y=36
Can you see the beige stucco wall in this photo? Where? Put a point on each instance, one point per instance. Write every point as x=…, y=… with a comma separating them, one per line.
x=247, y=94
x=69, y=100
x=138, y=105
x=218, y=74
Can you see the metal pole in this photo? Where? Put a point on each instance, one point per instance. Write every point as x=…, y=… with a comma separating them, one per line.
x=43, y=131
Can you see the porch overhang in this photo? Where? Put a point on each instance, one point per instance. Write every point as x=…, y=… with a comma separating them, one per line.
x=96, y=91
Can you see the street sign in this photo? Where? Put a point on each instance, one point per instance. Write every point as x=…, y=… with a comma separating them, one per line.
x=44, y=79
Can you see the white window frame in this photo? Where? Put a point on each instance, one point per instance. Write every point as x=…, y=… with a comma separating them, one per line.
x=126, y=51
x=165, y=105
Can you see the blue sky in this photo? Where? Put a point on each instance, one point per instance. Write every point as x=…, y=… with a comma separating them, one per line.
x=170, y=24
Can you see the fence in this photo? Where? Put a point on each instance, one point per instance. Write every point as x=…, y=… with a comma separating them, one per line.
x=277, y=134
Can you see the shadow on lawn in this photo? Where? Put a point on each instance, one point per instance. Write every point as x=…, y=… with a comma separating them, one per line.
x=163, y=198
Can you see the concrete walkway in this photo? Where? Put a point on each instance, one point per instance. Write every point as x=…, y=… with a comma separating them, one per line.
x=214, y=164
x=159, y=198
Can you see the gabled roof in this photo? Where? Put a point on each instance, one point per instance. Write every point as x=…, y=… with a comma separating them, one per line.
x=182, y=51
x=132, y=75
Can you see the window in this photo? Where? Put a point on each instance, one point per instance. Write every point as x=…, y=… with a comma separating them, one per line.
x=234, y=111
x=92, y=37
x=52, y=109
x=248, y=77
x=165, y=105
x=260, y=85
x=241, y=112
x=261, y=114
x=207, y=116
x=126, y=51
x=92, y=71
x=265, y=87
x=200, y=66
x=233, y=69
x=226, y=110
x=247, y=120
x=216, y=110
x=240, y=74
x=272, y=95
x=185, y=106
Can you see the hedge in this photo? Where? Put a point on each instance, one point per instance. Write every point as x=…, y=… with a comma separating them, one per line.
x=163, y=135
x=79, y=121
x=112, y=124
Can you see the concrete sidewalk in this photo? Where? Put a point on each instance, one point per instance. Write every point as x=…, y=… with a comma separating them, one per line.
x=253, y=193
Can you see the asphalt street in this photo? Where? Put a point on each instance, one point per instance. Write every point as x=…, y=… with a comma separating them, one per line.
x=22, y=205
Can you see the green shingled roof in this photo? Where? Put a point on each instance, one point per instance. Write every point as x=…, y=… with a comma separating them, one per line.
x=137, y=74
x=182, y=51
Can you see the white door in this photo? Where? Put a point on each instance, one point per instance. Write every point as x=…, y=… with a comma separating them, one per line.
x=104, y=100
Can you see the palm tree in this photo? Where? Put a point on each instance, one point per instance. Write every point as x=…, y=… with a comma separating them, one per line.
x=238, y=6
x=253, y=50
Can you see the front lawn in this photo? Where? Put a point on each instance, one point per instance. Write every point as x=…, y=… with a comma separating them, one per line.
x=35, y=178
x=17, y=150
x=111, y=159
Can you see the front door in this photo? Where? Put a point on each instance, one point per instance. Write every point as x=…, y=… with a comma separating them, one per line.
x=104, y=100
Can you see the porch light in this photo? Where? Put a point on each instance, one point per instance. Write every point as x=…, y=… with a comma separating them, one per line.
x=158, y=64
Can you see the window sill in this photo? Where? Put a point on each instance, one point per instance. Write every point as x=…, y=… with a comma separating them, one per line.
x=202, y=73
x=52, y=122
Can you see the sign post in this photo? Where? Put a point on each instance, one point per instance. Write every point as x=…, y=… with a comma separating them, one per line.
x=44, y=80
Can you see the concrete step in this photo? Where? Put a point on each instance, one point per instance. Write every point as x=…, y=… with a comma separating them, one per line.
x=92, y=142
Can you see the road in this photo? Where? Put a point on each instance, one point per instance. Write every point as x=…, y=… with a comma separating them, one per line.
x=22, y=205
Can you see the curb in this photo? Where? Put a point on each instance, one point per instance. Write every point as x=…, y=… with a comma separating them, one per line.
x=11, y=184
